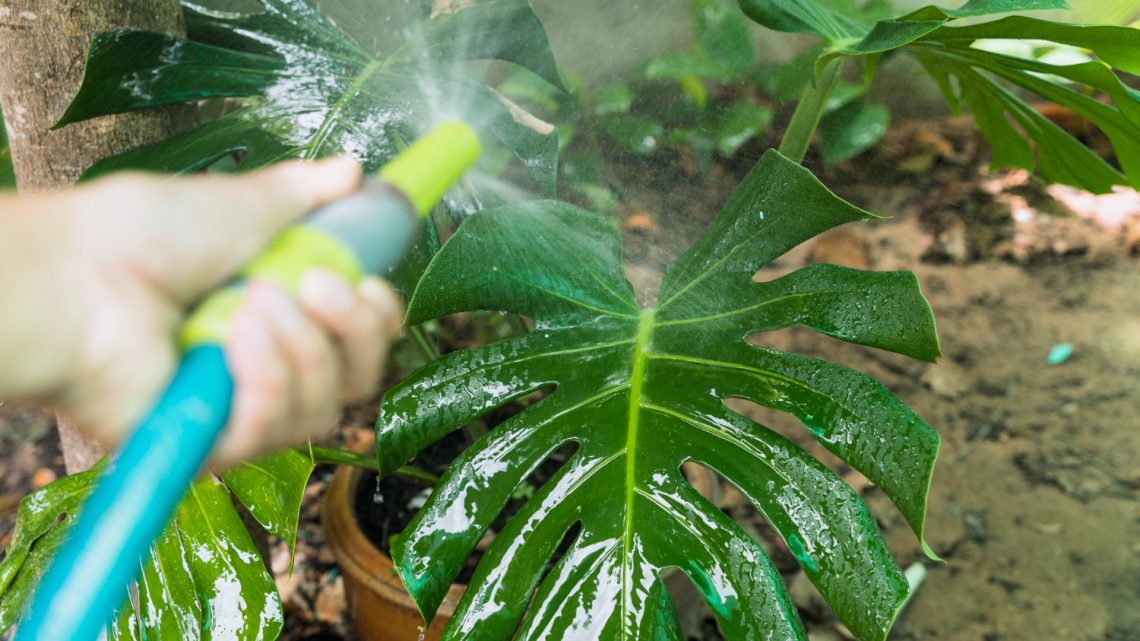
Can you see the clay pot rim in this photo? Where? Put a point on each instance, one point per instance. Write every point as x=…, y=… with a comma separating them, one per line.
x=355, y=553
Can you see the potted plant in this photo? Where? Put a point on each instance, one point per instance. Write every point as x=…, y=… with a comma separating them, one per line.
x=631, y=392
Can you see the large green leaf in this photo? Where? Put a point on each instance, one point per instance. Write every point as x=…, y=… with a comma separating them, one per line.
x=35, y=539
x=1018, y=134
x=639, y=392
x=204, y=578
x=309, y=90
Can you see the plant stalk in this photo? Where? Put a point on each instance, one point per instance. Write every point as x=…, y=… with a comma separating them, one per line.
x=341, y=457
x=801, y=130
x=426, y=348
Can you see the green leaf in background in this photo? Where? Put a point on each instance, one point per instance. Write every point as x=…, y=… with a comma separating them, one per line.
x=720, y=33
x=638, y=392
x=738, y=123
x=722, y=48
x=308, y=90
x=613, y=100
x=853, y=129
x=982, y=79
x=636, y=134
x=204, y=577
x=7, y=175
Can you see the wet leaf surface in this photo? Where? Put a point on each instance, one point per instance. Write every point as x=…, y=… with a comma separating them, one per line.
x=641, y=392
x=309, y=90
x=204, y=578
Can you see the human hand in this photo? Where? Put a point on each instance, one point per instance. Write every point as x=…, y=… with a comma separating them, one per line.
x=122, y=259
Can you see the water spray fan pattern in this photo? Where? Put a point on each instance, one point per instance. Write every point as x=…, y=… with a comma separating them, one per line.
x=309, y=90
x=640, y=392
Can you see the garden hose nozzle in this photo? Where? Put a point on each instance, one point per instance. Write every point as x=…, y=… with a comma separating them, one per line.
x=367, y=232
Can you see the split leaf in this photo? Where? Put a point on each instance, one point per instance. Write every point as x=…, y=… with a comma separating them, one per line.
x=639, y=393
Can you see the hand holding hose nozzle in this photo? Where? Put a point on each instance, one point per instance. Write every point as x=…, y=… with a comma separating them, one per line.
x=132, y=502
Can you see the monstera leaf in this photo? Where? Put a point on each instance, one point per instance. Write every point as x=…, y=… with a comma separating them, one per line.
x=204, y=578
x=982, y=79
x=638, y=393
x=309, y=90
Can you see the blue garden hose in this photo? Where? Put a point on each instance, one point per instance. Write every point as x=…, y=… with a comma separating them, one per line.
x=141, y=487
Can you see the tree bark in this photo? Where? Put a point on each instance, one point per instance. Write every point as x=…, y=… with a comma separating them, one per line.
x=43, y=46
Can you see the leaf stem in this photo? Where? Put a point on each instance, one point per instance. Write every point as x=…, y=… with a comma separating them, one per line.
x=342, y=457
x=809, y=112
x=427, y=349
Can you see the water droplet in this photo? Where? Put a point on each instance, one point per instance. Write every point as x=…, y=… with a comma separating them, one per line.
x=421, y=637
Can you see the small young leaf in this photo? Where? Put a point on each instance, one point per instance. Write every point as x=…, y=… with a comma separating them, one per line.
x=852, y=130
x=271, y=488
x=737, y=124
x=636, y=134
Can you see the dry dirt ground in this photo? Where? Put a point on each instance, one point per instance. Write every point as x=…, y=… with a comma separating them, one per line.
x=1034, y=502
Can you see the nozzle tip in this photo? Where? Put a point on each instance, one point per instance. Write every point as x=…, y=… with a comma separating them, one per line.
x=426, y=171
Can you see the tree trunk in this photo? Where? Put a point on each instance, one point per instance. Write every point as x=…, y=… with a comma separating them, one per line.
x=43, y=45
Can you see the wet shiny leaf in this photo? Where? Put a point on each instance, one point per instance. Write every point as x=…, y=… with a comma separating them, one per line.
x=639, y=392
x=981, y=79
x=204, y=578
x=272, y=488
x=308, y=90
x=35, y=539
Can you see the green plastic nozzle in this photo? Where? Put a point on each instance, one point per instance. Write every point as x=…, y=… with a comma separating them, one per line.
x=427, y=170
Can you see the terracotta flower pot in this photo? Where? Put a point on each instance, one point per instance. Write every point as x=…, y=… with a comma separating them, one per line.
x=378, y=604
x=380, y=607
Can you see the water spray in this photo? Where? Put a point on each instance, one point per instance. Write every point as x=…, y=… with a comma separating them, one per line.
x=142, y=485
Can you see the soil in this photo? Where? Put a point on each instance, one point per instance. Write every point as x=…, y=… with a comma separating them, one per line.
x=1034, y=502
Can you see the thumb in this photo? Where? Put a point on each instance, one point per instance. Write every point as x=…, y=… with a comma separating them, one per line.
x=208, y=227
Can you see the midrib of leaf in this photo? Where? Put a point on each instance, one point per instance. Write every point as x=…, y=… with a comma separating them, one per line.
x=637, y=380
x=330, y=118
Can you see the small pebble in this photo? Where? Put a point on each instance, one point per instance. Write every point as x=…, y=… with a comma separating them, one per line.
x=1059, y=354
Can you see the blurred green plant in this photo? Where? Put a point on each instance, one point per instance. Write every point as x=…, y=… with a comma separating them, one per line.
x=644, y=115
x=981, y=79
x=7, y=175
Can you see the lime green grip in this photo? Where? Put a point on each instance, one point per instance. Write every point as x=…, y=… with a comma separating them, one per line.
x=364, y=232
x=294, y=252
x=428, y=169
